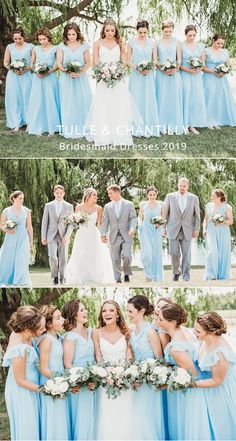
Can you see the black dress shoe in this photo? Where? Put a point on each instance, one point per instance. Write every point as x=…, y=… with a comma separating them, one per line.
x=176, y=277
x=118, y=281
x=55, y=281
x=126, y=278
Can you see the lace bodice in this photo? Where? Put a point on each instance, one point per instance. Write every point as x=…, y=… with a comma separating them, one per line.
x=109, y=55
x=113, y=352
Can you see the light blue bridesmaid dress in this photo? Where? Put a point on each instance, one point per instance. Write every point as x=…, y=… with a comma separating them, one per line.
x=83, y=404
x=15, y=252
x=221, y=400
x=187, y=411
x=148, y=404
x=218, y=245
x=44, y=105
x=221, y=109
x=169, y=91
x=55, y=418
x=18, y=88
x=151, y=243
x=194, y=106
x=75, y=95
x=142, y=89
x=23, y=405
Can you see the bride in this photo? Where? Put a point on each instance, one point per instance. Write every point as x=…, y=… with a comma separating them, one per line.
x=112, y=109
x=90, y=260
x=111, y=342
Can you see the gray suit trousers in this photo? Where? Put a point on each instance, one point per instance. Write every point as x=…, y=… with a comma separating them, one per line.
x=121, y=249
x=180, y=246
x=57, y=253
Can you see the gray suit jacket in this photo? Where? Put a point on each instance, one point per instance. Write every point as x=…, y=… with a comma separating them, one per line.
x=189, y=220
x=127, y=220
x=51, y=224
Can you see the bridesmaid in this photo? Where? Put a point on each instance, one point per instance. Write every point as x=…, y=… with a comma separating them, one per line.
x=18, y=83
x=78, y=351
x=15, y=251
x=194, y=106
x=221, y=110
x=150, y=237
x=218, y=238
x=74, y=87
x=22, y=382
x=217, y=362
x=142, y=84
x=181, y=351
x=168, y=84
x=51, y=362
x=164, y=337
x=44, y=107
x=145, y=343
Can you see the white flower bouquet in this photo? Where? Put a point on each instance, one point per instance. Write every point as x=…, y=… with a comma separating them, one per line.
x=77, y=376
x=223, y=68
x=73, y=66
x=40, y=68
x=57, y=387
x=10, y=225
x=132, y=375
x=195, y=63
x=76, y=219
x=116, y=380
x=18, y=65
x=179, y=379
x=168, y=65
x=157, y=375
x=145, y=65
x=98, y=374
x=109, y=73
x=157, y=220
x=218, y=219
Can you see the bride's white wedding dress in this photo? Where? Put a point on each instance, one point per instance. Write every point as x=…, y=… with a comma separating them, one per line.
x=115, y=416
x=113, y=109
x=90, y=260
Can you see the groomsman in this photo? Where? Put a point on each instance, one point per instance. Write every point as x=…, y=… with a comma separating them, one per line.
x=55, y=233
x=181, y=209
x=120, y=219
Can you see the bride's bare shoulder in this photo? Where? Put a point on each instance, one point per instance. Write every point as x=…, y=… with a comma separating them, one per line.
x=97, y=44
x=78, y=207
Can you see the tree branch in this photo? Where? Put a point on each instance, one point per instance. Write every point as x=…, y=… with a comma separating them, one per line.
x=51, y=296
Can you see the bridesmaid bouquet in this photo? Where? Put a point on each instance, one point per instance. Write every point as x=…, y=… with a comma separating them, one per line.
x=76, y=219
x=223, y=68
x=10, y=225
x=56, y=387
x=158, y=220
x=40, y=68
x=18, y=65
x=109, y=73
x=168, y=65
x=195, y=63
x=77, y=377
x=145, y=65
x=179, y=379
x=218, y=219
x=73, y=66
x=157, y=375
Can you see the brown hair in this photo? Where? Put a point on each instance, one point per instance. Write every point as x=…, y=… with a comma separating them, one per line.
x=220, y=194
x=120, y=321
x=69, y=313
x=142, y=302
x=114, y=187
x=142, y=24
x=25, y=317
x=45, y=32
x=58, y=186
x=167, y=24
x=151, y=188
x=87, y=193
x=212, y=323
x=111, y=22
x=173, y=311
x=167, y=300
x=190, y=28
x=47, y=311
x=18, y=30
x=75, y=28
x=15, y=195
x=217, y=36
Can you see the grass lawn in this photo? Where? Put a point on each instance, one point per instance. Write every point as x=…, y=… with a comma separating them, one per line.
x=216, y=143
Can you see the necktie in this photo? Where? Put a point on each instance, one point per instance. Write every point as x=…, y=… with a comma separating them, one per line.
x=182, y=203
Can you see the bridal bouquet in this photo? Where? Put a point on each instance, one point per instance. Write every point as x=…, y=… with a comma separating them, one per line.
x=76, y=219
x=158, y=220
x=119, y=377
x=109, y=73
x=145, y=65
x=195, y=63
x=157, y=375
x=18, y=65
x=73, y=66
x=40, y=68
x=10, y=225
x=168, y=65
x=218, y=219
x=179, y=379
x=56, y=387
x=223, y=68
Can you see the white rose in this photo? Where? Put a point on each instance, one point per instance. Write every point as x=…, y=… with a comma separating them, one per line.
x=58, y=380
x=63, y=387
x=160, y=370
x=101, y=372
x=150, y=361
x=168, y=64
x=134, y=371
x=73, y=370
x=49, y=385
x=224, y=68
x=119, y=370
x=182, y=376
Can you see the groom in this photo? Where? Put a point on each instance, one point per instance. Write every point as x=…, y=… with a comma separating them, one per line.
x=56, y=234
x=120, y=219
x=181, y=209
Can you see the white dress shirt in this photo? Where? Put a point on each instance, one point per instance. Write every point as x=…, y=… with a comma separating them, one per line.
x=58, y=205
x=117, y=207
x=182, y=199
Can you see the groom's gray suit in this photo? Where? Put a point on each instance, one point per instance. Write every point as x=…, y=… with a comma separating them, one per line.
x=180, y=228
x=54, y=230
x=120, y=241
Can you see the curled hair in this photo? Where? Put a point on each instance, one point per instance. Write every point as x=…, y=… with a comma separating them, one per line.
x=25, y=317
x=142, y=24
x=45, y=32
x=190, y=28
x=212, y=323
x=220, y=194
x=167, y=24
x=114, y=187
x=15, y=195
x=120, y=321
x=218, y=36
x=151, y=188
x=47, y=311
x=18, y=30
x=111, y=22
x=72, y=26
x=142, y=302
x=173, y=311
x=88, y=193
x=167, y=300
x=69, y=313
